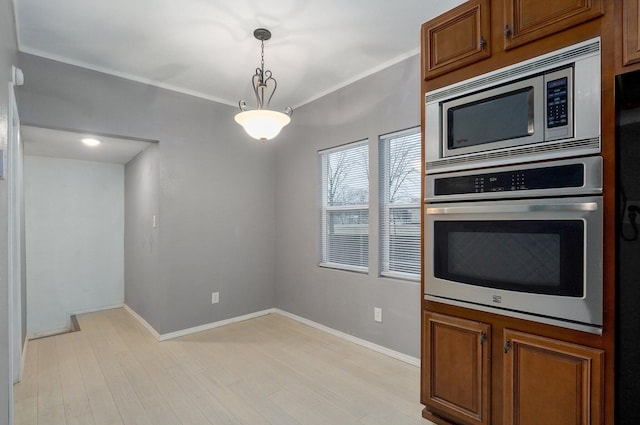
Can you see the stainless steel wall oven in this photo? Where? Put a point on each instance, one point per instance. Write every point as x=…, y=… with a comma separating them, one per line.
x=523, y=241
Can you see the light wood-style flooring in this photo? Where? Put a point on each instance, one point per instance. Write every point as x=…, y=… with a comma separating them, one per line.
x=269, y=370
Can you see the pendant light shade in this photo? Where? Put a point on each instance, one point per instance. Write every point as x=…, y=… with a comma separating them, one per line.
x=262, y=123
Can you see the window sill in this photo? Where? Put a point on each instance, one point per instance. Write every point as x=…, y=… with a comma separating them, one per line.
x=401, y=276
x=345, y=267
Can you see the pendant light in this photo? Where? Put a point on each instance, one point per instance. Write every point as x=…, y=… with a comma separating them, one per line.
x=262, y=123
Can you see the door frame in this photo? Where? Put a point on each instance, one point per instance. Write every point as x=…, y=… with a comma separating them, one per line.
x=14, y=177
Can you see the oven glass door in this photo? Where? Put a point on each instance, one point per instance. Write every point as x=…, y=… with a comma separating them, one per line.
x=538, y=259
x=543, y=257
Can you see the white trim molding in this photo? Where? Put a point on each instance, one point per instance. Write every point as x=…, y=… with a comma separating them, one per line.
x=143, y=322
x=362, y=342
x=209, y=326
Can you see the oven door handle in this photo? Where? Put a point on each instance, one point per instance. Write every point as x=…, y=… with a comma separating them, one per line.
x=492, y=209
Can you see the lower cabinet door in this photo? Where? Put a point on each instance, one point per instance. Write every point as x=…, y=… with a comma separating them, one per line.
x=456, y=368
x=547, y=381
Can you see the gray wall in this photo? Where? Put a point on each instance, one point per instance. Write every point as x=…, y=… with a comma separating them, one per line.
x=382, y=103
x=216, y=189
x=237, y=216
x=8, y=50
x=142, y=242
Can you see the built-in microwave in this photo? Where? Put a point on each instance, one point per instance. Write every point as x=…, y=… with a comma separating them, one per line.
x=544, y=108
x=504, y=247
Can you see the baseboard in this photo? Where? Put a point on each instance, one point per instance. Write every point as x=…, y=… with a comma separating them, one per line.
x=45, y=334
x=184, y=332
x=362, y=342
x=71, y=327
x=96, y=309
x=209, y=326
x=23, y=358
x=143, y=322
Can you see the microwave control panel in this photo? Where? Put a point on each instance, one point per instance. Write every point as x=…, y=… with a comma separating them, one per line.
x=561, y=176
x=557, y=103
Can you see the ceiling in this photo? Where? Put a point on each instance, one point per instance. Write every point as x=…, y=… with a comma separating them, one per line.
x=206, y=47
x=68, y=144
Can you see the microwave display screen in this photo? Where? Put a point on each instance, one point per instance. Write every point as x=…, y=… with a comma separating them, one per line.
x=557, y=103
x=484, y=121
x=544, y=257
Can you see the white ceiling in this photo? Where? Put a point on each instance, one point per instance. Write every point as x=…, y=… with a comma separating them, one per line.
x=68, y=144
x=207, y=48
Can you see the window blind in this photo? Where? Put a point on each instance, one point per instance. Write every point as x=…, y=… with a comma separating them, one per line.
x=345, y=207
x=400, y=204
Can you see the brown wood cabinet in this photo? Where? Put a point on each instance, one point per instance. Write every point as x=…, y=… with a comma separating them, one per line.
x=549, y=374
x=457, y=38
x=456, y=378
x=529, y=20
x=547, y=381
x=630, y=32
x=544, y=380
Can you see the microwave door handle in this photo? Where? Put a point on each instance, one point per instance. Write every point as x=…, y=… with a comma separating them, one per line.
x=492, y=209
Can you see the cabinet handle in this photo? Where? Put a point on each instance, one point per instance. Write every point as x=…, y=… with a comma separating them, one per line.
x=507, y=31
x=507, y=346
x=483, y=43
x=483, y=338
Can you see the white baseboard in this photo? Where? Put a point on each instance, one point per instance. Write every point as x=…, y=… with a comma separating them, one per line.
x=23, y=358
x=96, y=309
x=209, y=326
x=143, y=322
x=51, y=332
x=196, y=329
x=362, y=342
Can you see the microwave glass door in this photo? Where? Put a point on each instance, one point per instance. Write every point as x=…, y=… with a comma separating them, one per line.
x=534, y=256
x=503, y=117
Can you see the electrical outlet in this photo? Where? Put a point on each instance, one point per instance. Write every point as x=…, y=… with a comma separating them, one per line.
x=636, y=204
x=215, y=297
x=377, y=314
x=154, y=222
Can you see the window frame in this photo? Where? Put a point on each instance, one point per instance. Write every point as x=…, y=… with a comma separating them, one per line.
x=326, y=209
x=384, y=149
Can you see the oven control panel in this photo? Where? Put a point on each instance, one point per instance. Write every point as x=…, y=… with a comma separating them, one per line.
x=568, y=177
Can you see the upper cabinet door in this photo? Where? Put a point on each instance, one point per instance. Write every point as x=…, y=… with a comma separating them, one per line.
x=457, y=38
x=630, y=35
x=529, y=20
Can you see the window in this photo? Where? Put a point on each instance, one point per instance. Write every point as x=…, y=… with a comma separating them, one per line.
x=345, y=207
x=400, y=204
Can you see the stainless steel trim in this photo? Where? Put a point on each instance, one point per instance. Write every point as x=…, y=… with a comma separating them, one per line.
x=471, y=209
x=592, y=182
x=543, y=62
x=584, y=327
x=526, y=153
